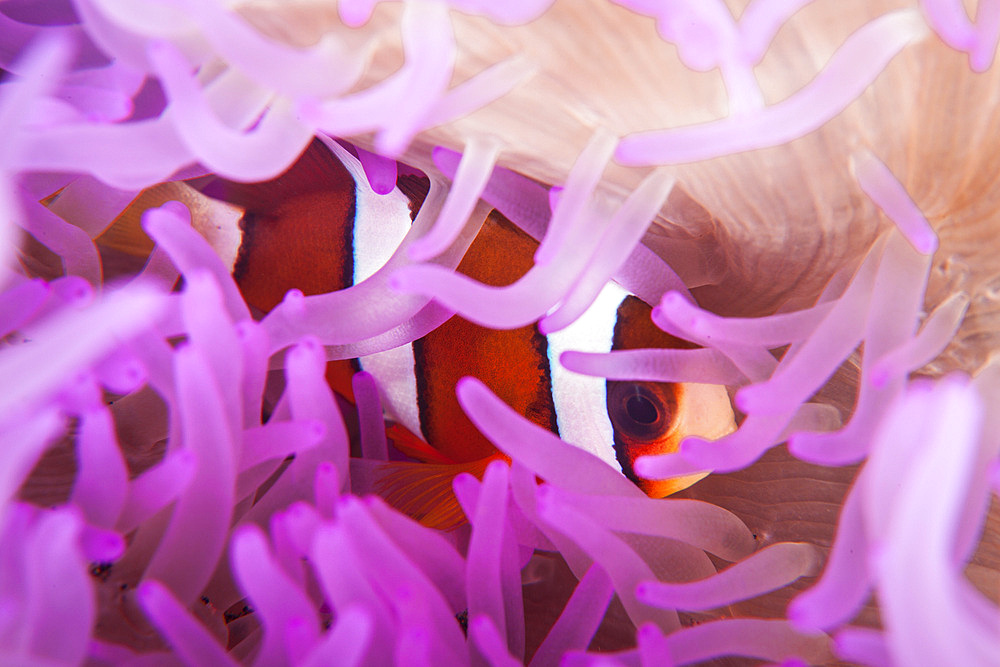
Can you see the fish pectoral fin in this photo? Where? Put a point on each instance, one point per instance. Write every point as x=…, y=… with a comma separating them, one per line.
x=424, y=491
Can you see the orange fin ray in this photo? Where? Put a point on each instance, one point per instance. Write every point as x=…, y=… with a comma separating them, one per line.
x=424, y=491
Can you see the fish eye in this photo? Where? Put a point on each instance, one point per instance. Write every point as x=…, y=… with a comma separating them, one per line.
x=641, y=411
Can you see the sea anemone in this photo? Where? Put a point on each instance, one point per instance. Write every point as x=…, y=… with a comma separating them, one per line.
x=805, y=191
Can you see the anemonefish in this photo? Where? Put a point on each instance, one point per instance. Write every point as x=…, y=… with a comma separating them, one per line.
x=320, y=227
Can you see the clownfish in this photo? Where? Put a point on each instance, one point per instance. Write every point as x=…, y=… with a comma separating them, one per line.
x=320, y=227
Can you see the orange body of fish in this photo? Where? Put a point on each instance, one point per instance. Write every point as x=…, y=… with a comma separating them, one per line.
x=319, y=227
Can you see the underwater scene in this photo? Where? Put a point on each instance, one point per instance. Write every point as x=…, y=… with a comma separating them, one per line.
x=538, y=332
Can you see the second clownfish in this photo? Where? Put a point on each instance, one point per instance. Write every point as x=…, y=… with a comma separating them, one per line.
x=319, y=227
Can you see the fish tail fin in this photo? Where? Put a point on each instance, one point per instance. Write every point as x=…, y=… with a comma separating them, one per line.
x=424, y=491
x=125, y=233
